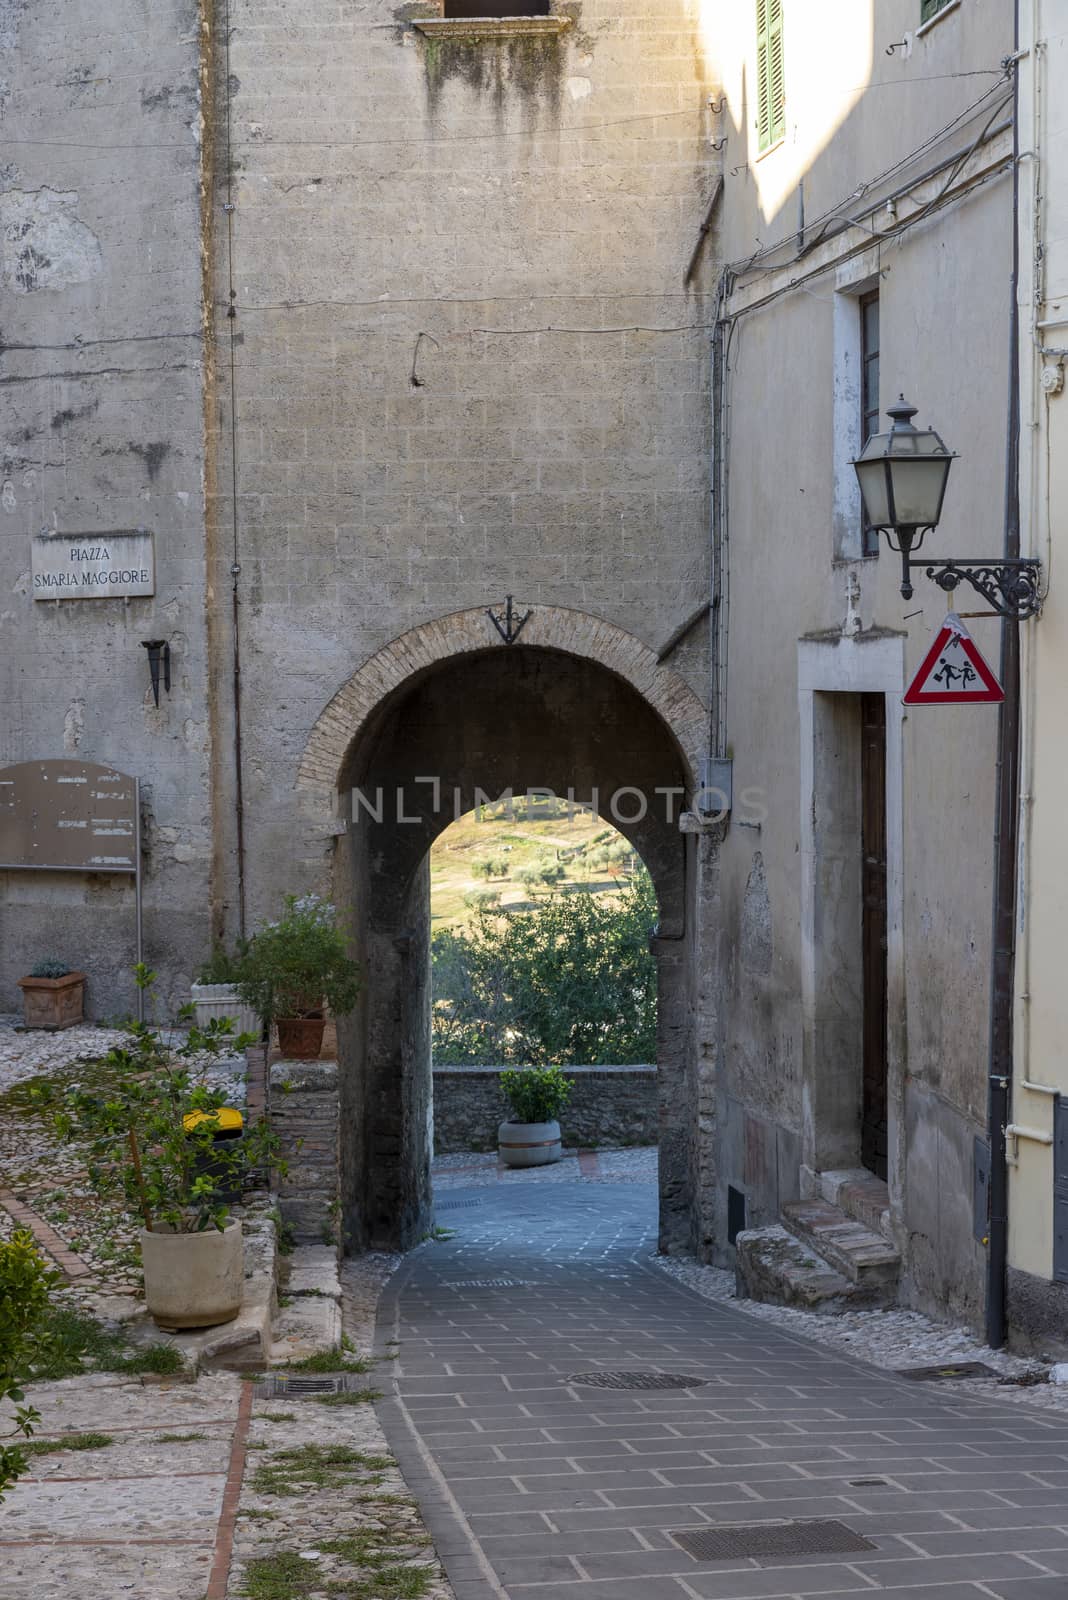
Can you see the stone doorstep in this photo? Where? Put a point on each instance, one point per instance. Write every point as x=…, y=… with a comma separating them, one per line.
x=773, y=1266
x=311, y=1323
x=864, y=1257
x=861, y=1195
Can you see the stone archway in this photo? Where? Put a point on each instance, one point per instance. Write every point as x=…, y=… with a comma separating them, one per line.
x=437, y=719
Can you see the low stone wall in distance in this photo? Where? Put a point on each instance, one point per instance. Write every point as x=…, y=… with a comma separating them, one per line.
x=610, y=1107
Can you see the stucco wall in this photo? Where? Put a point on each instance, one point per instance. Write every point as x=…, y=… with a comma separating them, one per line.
x=805, y=624
x=609, y=1107
x=102, y=422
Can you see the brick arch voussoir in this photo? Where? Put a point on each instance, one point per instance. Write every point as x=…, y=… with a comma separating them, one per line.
x=551, y=627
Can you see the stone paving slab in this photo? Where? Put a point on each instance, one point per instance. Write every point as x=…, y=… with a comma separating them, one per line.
x=538, y=1487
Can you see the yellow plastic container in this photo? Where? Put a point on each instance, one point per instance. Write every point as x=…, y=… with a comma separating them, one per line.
x=225, y=1120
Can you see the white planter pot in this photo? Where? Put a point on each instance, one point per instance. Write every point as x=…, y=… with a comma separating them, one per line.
x=193, y=1280
x=222, y=1000
x=529, y=1144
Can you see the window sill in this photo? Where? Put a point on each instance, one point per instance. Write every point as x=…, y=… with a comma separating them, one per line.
x=488, y=27
x=932, y=22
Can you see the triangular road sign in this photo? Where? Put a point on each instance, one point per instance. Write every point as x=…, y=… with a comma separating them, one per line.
x=953, y=672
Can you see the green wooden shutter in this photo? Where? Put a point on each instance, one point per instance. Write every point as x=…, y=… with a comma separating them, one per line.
x=771, y=85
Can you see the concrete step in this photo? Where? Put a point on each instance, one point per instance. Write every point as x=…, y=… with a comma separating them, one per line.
x=866, y=1258
x=773, y=1266
x=861, y=1195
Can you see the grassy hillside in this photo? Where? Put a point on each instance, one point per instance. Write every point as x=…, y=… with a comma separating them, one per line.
x=500, y=855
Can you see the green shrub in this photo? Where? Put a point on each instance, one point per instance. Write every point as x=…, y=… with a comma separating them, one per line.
x=570, y=982
x=536, y=1094
x=148, y=1118
x=25, y=1285
x=50, y=968
x=224, y=966
x=300, y=962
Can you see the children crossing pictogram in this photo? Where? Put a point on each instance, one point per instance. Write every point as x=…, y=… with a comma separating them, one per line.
x=953, y=672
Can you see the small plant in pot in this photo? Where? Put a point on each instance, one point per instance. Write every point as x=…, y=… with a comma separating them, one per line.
x=297, y=966
x=151, y=1123
x=536, y=1095
x=53, y=996
x=215, y=989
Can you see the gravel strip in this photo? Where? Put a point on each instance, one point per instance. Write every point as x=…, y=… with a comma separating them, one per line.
x=891, y=1340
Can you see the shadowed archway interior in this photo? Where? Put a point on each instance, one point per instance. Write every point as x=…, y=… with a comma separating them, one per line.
x=460, y=733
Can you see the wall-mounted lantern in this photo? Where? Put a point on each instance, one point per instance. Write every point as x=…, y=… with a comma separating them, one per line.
x=902, y=476
x=159, y=662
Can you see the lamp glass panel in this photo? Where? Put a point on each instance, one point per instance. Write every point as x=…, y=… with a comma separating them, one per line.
x=871, y=475
x=918, y=484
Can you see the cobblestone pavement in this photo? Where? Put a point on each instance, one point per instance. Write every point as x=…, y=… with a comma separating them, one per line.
x=540, y=1489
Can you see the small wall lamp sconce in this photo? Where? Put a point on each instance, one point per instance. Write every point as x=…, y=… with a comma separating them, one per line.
x=159, y=659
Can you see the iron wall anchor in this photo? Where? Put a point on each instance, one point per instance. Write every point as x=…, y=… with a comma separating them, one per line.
x=509, y=626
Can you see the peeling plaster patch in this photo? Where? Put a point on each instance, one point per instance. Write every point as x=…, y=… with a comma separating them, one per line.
x=755, y=941
x=21, y=584
x=45, y=246
x=7, y=496
x=73, y=725
x=579, y=88
x=10, y=16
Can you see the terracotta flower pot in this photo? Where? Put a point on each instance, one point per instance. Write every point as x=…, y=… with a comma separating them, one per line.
x=53, y=1002
x=301, y=1038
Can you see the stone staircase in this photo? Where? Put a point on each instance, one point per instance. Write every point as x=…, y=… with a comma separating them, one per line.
x=829, y=1253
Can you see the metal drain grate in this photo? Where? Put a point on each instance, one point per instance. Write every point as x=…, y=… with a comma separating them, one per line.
x=635, y=1380
x=488, y=1283
x=296, y=1385
x=948, y=1370
x=770, y=1539
x=454, y=1205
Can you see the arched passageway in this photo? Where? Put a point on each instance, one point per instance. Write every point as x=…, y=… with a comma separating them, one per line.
x=457, y=732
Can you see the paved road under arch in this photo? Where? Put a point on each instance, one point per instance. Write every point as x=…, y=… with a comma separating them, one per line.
x=535, y=1489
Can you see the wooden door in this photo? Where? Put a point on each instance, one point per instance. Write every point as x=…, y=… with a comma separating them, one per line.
x=873, y=1142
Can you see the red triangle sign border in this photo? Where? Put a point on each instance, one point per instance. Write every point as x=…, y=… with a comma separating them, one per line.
x=992, y=693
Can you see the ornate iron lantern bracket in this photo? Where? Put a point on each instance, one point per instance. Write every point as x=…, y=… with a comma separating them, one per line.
x=509, y=626
x=1010, y=587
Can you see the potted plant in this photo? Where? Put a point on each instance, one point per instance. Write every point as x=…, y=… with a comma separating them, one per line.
x=294, y=968
x=215, y=993
x=52, y=996
x=150, y=1120
x=531, y=1136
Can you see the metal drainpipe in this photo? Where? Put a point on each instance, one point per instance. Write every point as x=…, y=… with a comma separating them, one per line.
x=1006, y=820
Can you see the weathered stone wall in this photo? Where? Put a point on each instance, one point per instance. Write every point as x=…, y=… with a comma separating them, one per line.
x=102, y=428
x=609, y=1107
x=467, y=362
x=304, y=1115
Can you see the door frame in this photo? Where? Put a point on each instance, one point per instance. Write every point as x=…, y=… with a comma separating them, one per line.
x=871, y=663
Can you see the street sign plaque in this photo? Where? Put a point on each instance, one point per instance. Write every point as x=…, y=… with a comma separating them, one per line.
x=954, y=672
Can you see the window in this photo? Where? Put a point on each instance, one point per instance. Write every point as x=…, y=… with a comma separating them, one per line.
x=471, y=10
x=771, y=84
x=868, y=307
x=931, y=8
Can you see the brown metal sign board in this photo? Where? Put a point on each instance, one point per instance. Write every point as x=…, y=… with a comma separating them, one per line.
x=70, y=816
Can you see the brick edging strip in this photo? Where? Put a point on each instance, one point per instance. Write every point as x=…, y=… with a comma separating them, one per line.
x=65, y=1258
x=224, y=1536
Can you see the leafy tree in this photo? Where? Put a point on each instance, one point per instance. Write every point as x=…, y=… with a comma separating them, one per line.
x=569, y=982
